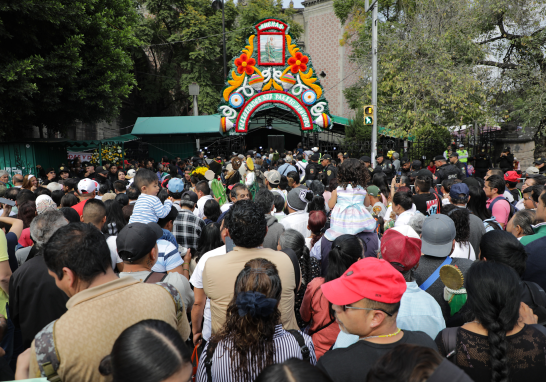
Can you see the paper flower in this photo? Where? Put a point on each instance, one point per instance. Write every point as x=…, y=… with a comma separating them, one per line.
x=298, y=62
x=245, y=64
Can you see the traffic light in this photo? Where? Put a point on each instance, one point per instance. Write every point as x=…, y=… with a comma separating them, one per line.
x=368, y=115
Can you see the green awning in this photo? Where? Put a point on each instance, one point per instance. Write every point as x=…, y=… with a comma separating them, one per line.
x=202, y=124
x=93, y=144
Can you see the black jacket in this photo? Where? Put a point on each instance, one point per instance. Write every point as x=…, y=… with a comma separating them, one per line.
x=312, y=170
x=34, y=299
x=447, y=171
x=506, y=161
x=481, y=161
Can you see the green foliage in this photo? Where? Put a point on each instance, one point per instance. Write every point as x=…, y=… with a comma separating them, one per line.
x=357, y=130
x=63, y=60
x=451, y=62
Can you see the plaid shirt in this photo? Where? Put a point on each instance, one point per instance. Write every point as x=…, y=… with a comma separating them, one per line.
x=187, y=228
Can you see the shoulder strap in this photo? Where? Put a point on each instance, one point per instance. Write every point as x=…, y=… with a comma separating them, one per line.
x=296, y=264
x=208, y=363
x=322, y=327
x=540, y=328
x=46, y=353
x=155, y=277
x=449, y=338
x=490, y=208
x=435, y=275
x=305, y=352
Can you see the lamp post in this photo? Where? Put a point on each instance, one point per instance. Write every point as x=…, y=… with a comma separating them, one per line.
x=194, y=91
x=216, y=4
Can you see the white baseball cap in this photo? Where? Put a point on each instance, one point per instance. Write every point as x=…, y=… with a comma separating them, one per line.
x=130, y=174
x=86, y=186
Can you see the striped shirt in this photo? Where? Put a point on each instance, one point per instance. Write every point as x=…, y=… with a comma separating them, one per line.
x=168, y=257
x=148, y=209
x=286, y=347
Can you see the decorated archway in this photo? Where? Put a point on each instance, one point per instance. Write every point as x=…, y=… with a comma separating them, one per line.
x=272, y=72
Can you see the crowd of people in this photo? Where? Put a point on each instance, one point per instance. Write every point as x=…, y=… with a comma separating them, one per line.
x=267, y=266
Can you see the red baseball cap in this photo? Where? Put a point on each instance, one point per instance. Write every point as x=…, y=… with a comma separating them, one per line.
x=401, y=246
x=511, y=176
x=371, y=278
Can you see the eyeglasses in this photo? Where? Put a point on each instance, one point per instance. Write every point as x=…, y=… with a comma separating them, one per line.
x=344, y=307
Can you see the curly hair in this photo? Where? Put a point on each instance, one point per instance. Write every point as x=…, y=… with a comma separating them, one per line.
x=460, y=217
x=246, y=224
x=251, y=338
x=353, y=172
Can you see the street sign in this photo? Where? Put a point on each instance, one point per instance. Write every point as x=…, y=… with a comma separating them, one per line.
x=368, y=115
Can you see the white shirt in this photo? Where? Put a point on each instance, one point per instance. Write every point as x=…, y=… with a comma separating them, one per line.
x=197, y=281
x=464, y=251
x=297, y=220
x=404, y=218
x=225, y=206
x=519, y=205
x=249, y=179
x=111, y=241
x=199, y=210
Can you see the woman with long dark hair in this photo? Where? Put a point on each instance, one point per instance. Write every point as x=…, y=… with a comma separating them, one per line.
x=315, y=224
x=113, y=173
x=210, y=239
x=252, y=337
x=148, y=351
x=114, y=218
x=380, y=180
x=478, y=206
x=496, y=344
x=295, y=241
x=460, y=217
x=315, y=308
x=26, y=213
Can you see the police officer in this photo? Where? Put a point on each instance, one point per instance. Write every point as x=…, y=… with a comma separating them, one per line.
x=386, y=165
x=506, y=160
x=405, y=167
x=540, y=163
x=454, y=160
x=367, y=161
x=313, y=168
x=482, y=163
x=445, y=171
x=330, y=171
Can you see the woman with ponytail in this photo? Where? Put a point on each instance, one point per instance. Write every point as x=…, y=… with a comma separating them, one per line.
x=148, y=351
x=499, y=343
x=252, y=337
x=346, y=250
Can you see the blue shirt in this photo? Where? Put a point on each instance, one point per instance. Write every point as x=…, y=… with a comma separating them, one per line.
x=418, y=311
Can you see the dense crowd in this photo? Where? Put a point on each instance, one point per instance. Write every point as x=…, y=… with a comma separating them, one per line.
x=275, y=266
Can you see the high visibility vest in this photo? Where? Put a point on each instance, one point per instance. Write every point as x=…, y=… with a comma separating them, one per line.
x=463, y=155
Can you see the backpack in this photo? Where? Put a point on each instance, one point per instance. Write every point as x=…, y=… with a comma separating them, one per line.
x=512, y=207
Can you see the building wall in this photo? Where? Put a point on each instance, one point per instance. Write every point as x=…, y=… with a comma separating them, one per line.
x=323, y=33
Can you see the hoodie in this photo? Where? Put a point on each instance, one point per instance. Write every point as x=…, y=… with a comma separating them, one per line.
x=274, y=232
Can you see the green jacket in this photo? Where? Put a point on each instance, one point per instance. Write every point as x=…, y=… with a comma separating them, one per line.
x=540, y=231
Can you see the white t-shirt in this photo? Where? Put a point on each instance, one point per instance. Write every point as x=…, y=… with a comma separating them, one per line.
x=197, y=281
x=464, y=251
x=308, y=242
x=297, y=220
x=178, y=281
x=111, y=241
x=225, y=206
x=199, y=211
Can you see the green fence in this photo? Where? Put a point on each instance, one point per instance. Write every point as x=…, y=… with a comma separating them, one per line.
x=22, y=158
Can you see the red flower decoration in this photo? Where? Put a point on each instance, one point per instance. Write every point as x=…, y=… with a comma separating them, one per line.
x=299, y=62
x=245, y=64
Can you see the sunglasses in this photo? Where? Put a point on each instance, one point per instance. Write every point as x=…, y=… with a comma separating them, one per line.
x=345, y=307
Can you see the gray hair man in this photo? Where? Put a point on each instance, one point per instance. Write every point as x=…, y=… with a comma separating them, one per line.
x=34, y=299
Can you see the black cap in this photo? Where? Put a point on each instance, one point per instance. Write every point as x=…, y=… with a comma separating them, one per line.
x=136, y=240
x=453, y=154
x=85, y=164
x=190, y=195
x=380, y=155
x=63, y=169
x=366, y=159
x=327, y=157
x=538, y=161
x=404, y=161
x=315, y=156
x=345, y=156
x=101, y=170
x=416, y=163
x=377, y=169
x=424, y=172
x=439, y=157
x=507, y=148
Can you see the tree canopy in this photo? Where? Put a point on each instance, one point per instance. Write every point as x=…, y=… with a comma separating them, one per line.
x=450, y=62
x=63, y=60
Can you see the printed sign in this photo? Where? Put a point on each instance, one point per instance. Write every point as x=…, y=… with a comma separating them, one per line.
x=84, y=157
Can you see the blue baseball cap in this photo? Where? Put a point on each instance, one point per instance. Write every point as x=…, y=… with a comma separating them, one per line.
x=458, y=189
x=176, y=185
